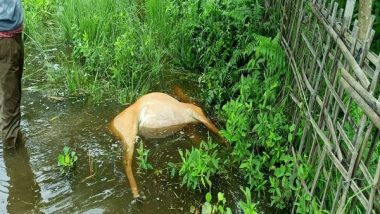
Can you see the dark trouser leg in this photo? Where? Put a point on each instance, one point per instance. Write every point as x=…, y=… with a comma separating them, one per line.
x=23, y=190
x=11, y=69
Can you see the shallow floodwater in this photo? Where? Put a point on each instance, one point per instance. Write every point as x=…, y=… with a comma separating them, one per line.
x=31, y=182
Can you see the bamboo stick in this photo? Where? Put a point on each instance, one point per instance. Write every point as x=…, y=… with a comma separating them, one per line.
x=375, y=187
x=350, y=59
x=376, y=76
x=336, y=198
x=297, y=76
x=352, y=168
x=326, y=188
x=348, y=12
x=328, y=52
x=340, y=88
x=317, y=88
x=293, y=19
x=369, y=36
x=327, y=146
x=364, y=94
x=348, y=143
x=301, y=15
x=362, y=103
x=372, y=147
x=369, y=130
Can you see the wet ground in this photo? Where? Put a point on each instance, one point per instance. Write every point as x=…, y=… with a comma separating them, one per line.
x=30, y=177
x=31, y=181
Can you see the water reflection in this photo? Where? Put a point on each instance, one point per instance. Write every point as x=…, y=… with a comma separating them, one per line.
x=23, y=191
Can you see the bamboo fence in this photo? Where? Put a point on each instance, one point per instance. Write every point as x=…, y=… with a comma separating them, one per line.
x=336, y=90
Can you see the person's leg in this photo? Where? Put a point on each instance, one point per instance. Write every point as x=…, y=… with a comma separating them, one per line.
x=11, y=69
x=23, y=190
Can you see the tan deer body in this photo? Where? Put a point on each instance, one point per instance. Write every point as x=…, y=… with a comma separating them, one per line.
x=155, y=115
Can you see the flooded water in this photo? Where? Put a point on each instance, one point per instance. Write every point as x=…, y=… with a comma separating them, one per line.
x=31, y=182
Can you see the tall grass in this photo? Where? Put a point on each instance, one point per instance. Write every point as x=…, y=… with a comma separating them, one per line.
x=113, y=51
x=37, y=20
x=158, y=18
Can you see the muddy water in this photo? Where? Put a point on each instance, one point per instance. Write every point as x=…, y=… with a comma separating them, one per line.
x=31, y=181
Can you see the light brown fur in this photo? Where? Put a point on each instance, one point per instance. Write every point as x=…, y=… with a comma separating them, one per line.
x=154, y=115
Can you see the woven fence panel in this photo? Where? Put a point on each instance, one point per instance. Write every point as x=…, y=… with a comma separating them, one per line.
x=336, y=89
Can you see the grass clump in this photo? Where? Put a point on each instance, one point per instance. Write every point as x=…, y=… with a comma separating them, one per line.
x=199, y=166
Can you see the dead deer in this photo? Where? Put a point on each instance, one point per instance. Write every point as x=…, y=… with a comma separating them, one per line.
x=154, y=115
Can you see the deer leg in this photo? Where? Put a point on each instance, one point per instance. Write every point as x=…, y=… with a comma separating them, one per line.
x=128, y=155
x=129, y=139
x=201, y=117
x=125, y=127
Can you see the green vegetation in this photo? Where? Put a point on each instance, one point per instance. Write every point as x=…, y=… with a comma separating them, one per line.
x=67, y=160
x=142, y=158
x=219, y=207
x=376, y=41
x=247, y=206
x=121, y=49
x=199, y=165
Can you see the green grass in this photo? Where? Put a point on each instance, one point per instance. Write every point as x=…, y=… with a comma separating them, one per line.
x=109, y=48
x=122, y=49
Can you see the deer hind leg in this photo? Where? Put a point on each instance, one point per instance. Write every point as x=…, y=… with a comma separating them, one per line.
x=201, y=117
x=125, y=126
x=129, y=146
x=128, y=155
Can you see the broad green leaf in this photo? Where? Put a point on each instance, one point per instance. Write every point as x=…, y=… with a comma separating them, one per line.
x=206, y=208
x=61, y=160
x=66, y=150
x=192, y=209
x=228, y=211
x=220, y=196
x=208, y=197
x=279, y=172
